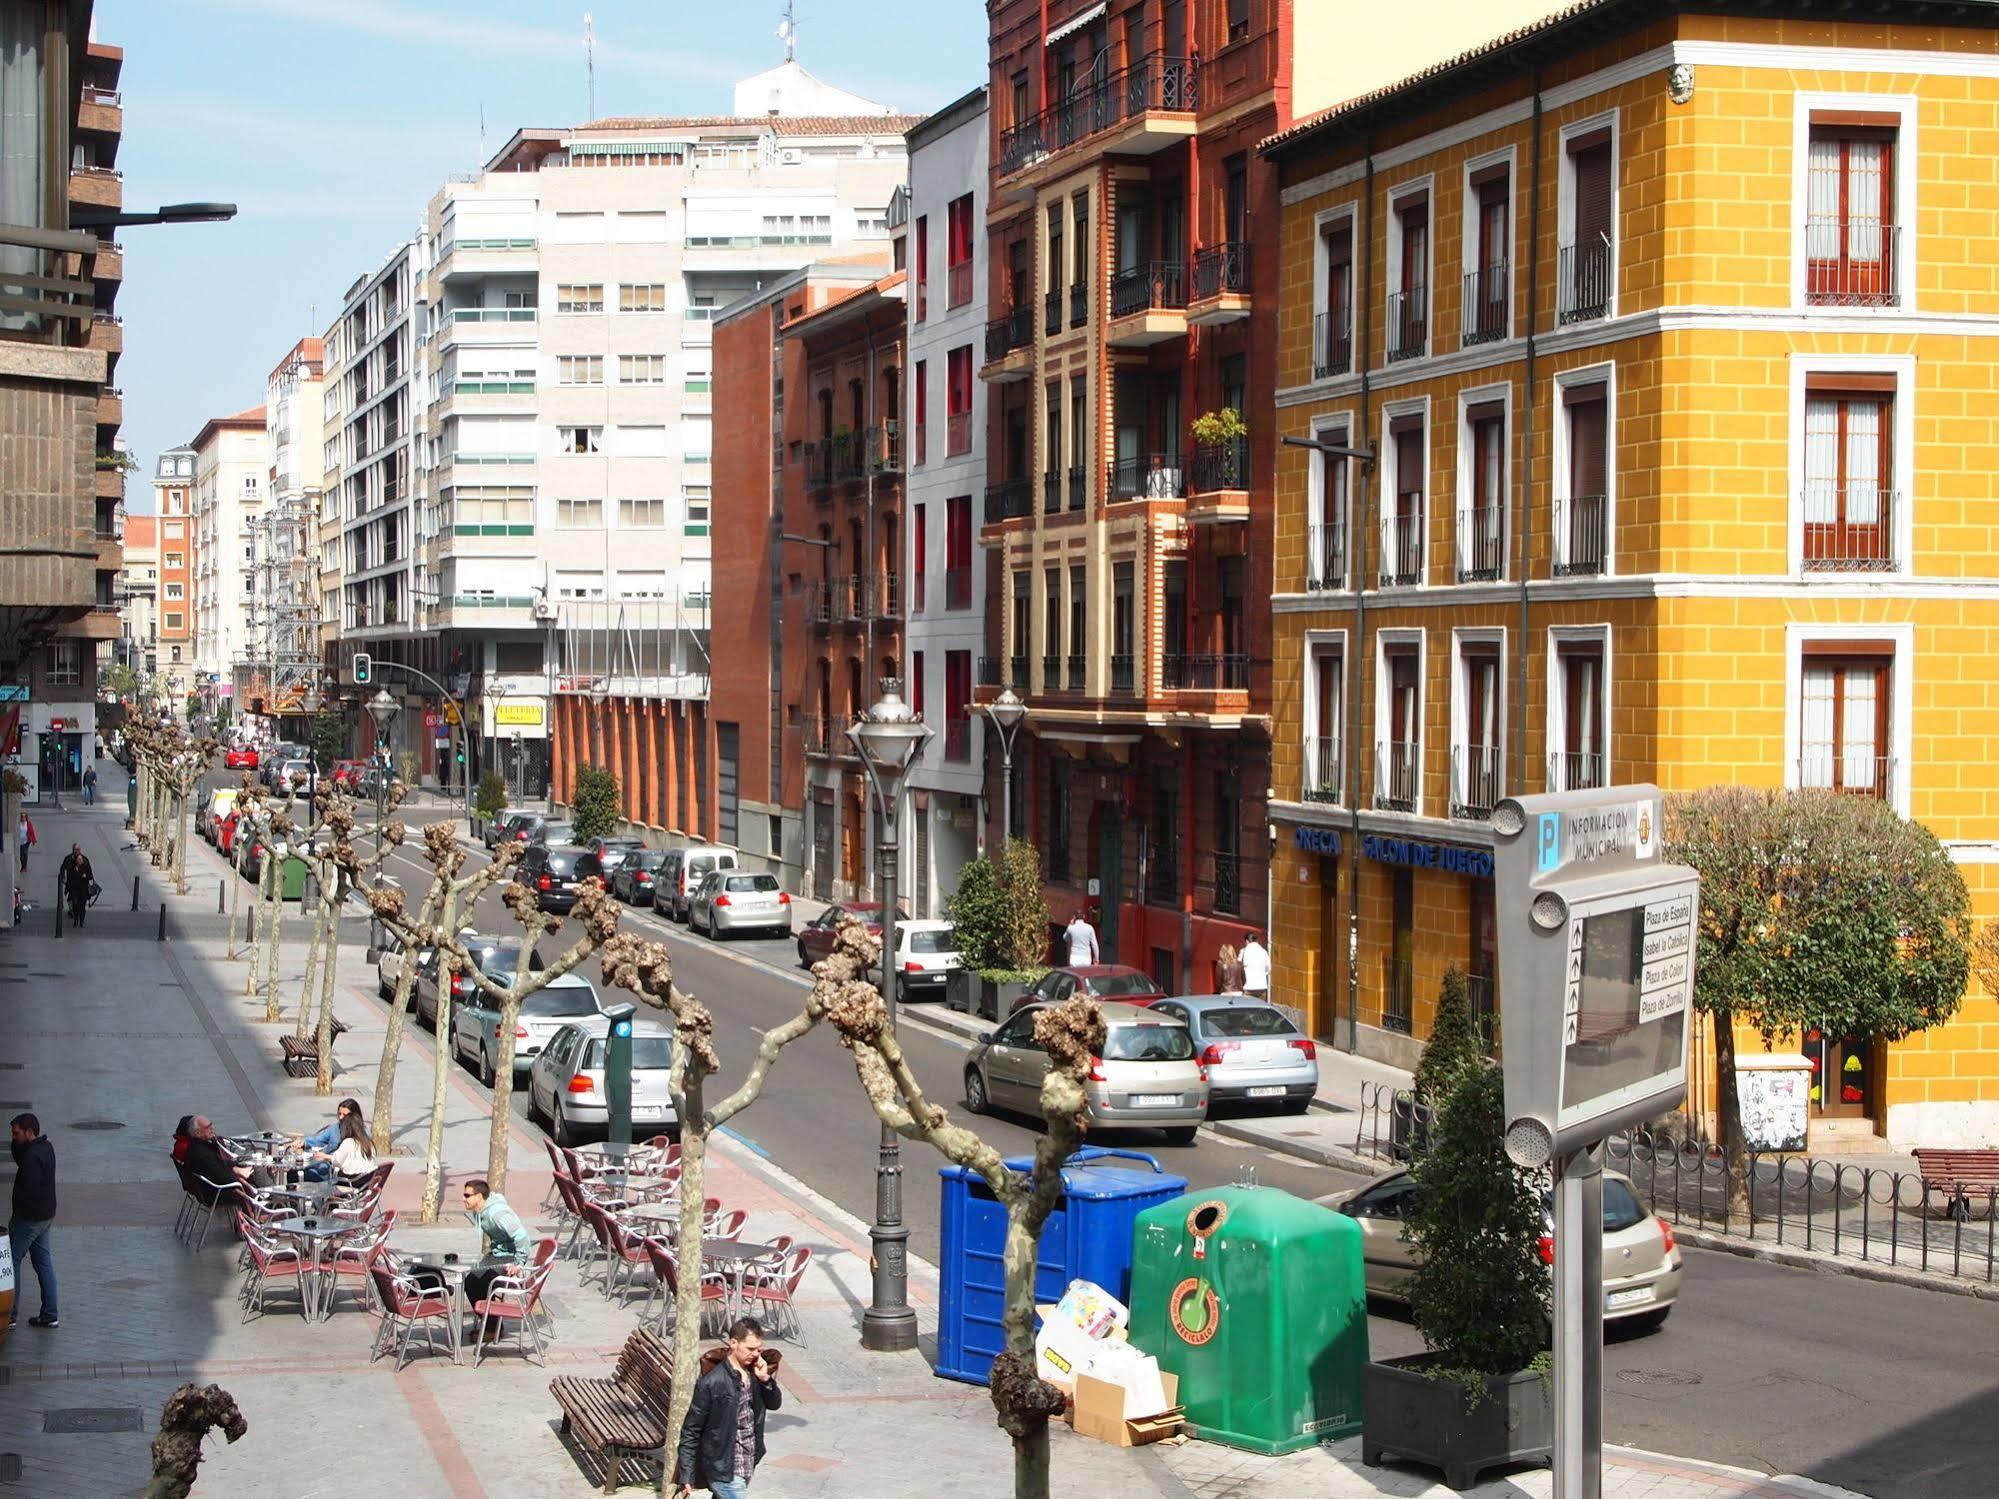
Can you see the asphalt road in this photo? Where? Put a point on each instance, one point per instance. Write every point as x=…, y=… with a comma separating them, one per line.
x=1876, y=1388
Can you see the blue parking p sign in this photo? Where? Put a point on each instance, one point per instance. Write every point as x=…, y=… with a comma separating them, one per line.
x=1548, y=842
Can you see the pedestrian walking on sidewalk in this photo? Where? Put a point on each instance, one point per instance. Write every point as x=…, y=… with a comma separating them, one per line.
x=33, y=1216
x=1082, y=941
x=24, y=838
x=1255, y=968
x=90, y=786
x=75, y=881
x=723, y=1438
x=1228, y=971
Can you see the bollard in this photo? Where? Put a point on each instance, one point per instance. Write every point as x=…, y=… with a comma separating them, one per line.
x=162, y=936
x=58, y=905
x=135, y=892
x=221, y=896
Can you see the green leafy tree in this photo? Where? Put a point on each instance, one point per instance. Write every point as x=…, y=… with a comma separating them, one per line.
x=594, y=805
x=1480, y=1293
x=492, y=795
x=1818, y=910
x=1453, y=1048
x=1000, y=914
x=329, y=738
x=976, y=916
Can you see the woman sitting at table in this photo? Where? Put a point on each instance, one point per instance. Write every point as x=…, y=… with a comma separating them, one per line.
x=507, y=1240
x=354, y=1156
x=183, y=1137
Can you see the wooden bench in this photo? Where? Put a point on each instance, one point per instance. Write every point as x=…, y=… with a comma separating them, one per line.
x=1952, y=1171
x=301, y=1058
x=624, y=1415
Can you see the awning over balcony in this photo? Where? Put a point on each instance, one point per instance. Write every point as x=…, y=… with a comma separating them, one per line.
x=1076, y=23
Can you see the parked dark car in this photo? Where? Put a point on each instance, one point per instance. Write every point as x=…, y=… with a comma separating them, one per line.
x=496, y=957
x=611, y=852
x=1104, y=981
x=815, y=938
x=556, y=872
x=631, y=881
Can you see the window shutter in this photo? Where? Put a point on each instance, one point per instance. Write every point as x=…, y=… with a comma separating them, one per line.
x=1588, y=443
x=1409, y=457
x=1592, y=179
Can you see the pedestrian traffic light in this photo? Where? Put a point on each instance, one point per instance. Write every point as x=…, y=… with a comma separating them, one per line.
x=363, y=668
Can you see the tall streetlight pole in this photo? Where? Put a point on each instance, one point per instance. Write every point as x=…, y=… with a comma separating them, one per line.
x=889, y=737
x=383, y=710
x=1006, y=711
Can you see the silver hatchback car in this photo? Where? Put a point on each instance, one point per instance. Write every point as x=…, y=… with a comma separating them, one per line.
x=1251, y=1049
x=734, y=900
x=566, y=1083
x=1147, y=1078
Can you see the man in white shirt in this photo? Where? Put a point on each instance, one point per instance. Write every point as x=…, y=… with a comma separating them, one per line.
x=1255, y=958
x=1082, y=941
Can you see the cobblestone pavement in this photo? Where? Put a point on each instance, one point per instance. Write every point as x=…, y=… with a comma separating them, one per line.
x=111, y=1035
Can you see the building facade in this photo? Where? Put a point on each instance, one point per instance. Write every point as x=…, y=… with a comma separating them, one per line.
x=944, y=568
x=284, y=668
x=232, y=469
x=139, y=596
x=173, y=504
x=1662, y=328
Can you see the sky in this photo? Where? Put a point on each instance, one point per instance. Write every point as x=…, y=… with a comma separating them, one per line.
x=330, y=123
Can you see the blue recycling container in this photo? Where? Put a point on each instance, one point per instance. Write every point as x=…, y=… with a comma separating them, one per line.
x=1088, y=1237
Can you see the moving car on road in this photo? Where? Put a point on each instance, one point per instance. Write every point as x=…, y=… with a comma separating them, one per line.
x=555, y=873
x=1641, y=1261
x=1094, y=981
x=208, y=816
x=566, y=1083
x=1147, y=1077
x=730, y=901
x=1250, y=1047
x=632, y=880
x=475, y=1025
x=240, y=757
x=926, y=950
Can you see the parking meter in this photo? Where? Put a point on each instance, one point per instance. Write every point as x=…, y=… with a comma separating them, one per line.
x=618, y=1073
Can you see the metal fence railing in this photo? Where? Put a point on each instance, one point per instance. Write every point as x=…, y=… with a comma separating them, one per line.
x=1875, y=1214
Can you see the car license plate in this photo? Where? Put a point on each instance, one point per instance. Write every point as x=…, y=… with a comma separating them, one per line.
x=1617, y=1299
x=1154, y=1100
x=648, y=1111
x=1266, y=1092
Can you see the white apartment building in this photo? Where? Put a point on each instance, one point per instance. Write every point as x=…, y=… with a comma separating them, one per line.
x=284, y=663
x=564, y=466
x=138, y=596
x=232, y=466
x=944, y=217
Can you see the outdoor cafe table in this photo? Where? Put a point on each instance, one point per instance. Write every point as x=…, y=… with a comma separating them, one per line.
x=654, y=1212
x=627, y=1184
x=315, y=1195
x=453, y=1275
x=736, y=1258
x=317, y=1231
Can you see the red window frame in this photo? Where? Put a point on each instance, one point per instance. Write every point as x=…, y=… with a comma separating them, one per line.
x=922, y=267
x=958, y=394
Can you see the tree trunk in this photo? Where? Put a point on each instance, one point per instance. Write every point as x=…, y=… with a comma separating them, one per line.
x=382, y=1127
x=306, y=987
x=253, y=938
x=433, y=1163
x=273, y=874
x=503, y=1084
x=180, y=844
x=689, y=1104
x=190, y=1414
x=329, y=966
x=1030, y=1448
x=1728, y=1121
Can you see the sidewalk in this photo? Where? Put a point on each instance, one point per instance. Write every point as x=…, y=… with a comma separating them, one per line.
x=116, y=1036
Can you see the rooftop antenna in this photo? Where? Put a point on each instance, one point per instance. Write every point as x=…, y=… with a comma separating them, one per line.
x=482, y=132
x=590, y=59
x=787, y=30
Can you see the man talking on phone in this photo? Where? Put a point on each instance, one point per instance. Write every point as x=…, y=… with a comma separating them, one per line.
x=723, y=1439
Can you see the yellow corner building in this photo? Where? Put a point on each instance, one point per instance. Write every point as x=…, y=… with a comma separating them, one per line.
x=1673, y=329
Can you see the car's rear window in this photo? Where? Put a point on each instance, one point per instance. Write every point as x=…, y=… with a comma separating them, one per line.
x=751, y=882
x=558, y=832
x=707, y=863
x=1247, y=1020
x=1148, y=1043
x=649, y=1054
x=499, y=962
x=1111, y=985
x=566, y=1000
x=650, y=860
x=1621, y=1207
x=945, y=940
x=561, y=861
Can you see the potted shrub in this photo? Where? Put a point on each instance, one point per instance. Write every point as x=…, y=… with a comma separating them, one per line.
x=490, y=800
x=1480, y=1397
x=1001, y=920
x=1451, y=1052
x=1213, y=428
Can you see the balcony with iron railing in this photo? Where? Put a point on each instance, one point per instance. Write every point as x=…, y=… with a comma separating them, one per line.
x=1124, y=675
x=1402, y=548
x=1486, y=305
x=991, y=672
x=1127, y=101
x=1228, y=883
x=1221, y=284
x=1851, y=262
x=1079, y=304
x=1016, y=672
x=42, y=276
x=957, y=588
x=1408, y=329
x=1051, y=492
x=1076, y=673
x=1051, y=311
x=1010, y=499
x=825, y=734
x=1332, y=345
x=816, y=458
x=1204, y=672
x=1219, y=481
x=1481, y=543
x=1848, y=528
x=1078, y=486
x=1475, y=783
x=1854, y=770
x=1576, y=770
x=1581, y=534
x=1162, y=874
x=1147, y=476
x=1323, y=778
x=1148, y=304
x=1051, y=673
x=1397, y=775
x=1582, y=281
x=1009, y=345
x=1326, y=553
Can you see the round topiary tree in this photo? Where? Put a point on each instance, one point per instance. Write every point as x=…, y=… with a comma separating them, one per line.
x=594, y=806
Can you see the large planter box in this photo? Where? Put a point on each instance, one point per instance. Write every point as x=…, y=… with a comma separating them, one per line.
x=1439, y=1423
x=996, y=999
x=961, y=988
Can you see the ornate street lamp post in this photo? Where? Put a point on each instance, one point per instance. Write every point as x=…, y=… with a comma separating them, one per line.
x=1006, y=711
x=889, y=737
x=383, y=710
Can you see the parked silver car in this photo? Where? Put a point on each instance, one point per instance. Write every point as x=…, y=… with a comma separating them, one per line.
x=389, y=966
x=731, y=901
x=1251, y=1049
x=497, y=957
x=566, y=1083
x=1147, y=1077
x=475, y=1024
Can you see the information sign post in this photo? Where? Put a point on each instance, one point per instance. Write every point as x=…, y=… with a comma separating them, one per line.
x=1596, y=970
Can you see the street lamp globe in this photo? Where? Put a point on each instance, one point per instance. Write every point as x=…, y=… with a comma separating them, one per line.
x=1006, y=711
x=889, y=736
x=383, y=709
x=599, y=692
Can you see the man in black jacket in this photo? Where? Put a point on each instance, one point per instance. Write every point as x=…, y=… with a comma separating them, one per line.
x=33, y=1217
x=723, y=1439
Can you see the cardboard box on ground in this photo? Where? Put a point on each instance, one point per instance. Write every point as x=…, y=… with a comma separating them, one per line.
x=1117, y=1393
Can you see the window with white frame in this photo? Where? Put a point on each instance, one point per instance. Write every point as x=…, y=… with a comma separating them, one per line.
x=1481, y=526
x=642, y=512
x=1329, y=488
x=574, y=514
x=1843, y=717
x=1408, y=325
x=579, y=439
x=580, y=297
x=1582, y=480
x=1332, y=318
x=1404, y=511
x=1324, y=778
x=1848, y=498
x=1579, y=717
x=1851, y=235
x=642, y=369
x=579, y=585
x=642, y=297
x=62, y=670
x=580, y=369
x=1477, y=713
x=1398, y=766
x=1586, y=255
x=697, y=501
x=1488, y=278
x=176, y=590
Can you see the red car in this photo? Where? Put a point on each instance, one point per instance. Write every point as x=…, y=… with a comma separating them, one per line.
x=240, y=757
x=347, y=773
x=815, y=938
x=1095, y=980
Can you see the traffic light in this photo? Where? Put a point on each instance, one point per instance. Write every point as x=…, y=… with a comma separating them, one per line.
x=363, y=668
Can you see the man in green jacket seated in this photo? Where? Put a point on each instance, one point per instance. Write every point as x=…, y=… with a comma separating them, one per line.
x=506, y=1237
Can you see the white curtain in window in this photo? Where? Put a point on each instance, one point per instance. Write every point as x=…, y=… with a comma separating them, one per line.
x=1821, y=460
x=1863, y=463
x=1858, y=749
x=1866, y=162
x=1815, y=728
x=1822, y=178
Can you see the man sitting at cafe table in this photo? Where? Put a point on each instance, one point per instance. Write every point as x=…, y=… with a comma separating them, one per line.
x=325, y=1140
x=506, y=1238
x=206, y=1158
